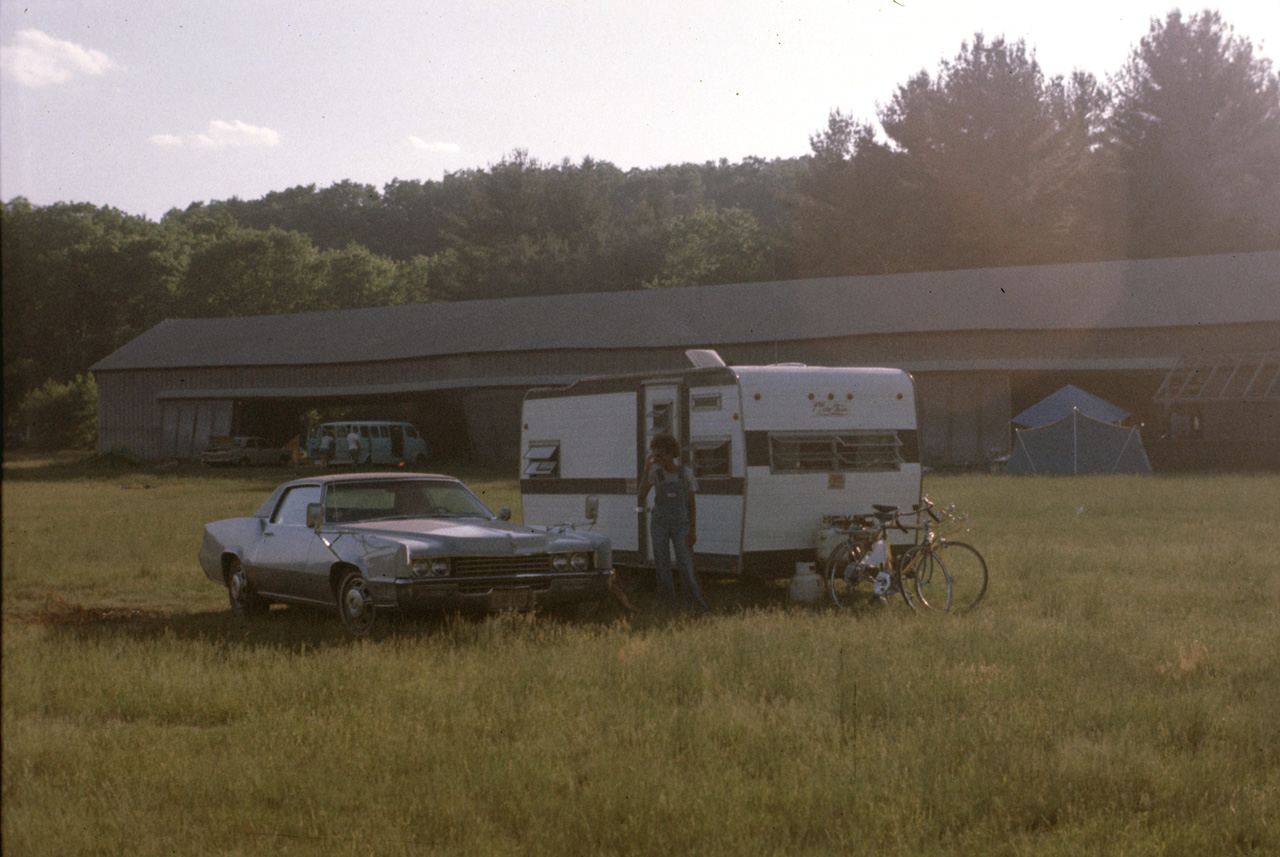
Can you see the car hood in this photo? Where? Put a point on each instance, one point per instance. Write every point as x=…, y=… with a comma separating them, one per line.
x=471, y=536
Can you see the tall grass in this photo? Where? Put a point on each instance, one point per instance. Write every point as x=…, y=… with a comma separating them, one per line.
x=1115, y=693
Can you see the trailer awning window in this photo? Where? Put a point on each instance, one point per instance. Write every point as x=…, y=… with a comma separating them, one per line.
x=543, y=458
x=660, y=418
x=704, y=401
x=796, y=452
x=710, y=457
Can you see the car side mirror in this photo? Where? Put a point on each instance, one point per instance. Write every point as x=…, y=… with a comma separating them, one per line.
x=504, y=514
x=592, y=509
x=315, y=515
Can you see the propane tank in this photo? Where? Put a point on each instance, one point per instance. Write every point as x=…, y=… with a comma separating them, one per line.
x=806, y=585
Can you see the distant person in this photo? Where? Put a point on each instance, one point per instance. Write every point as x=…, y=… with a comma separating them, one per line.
x=326, y=449
x=673, y=525
x=353, y=444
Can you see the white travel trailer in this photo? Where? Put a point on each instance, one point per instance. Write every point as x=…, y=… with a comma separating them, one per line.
x=774, y=449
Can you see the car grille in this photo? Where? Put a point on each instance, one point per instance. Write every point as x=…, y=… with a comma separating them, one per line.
x=468, y=565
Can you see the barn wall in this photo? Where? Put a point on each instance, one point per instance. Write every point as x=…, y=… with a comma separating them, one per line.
x=964, y=418
x=963, y=379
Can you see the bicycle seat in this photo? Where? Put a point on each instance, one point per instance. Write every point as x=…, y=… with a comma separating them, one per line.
x=884, y=510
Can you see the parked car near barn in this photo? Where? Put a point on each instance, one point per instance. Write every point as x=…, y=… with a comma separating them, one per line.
x=224, y=449
x=368, y=542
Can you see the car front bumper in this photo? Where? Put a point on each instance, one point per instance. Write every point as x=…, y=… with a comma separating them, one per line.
x=495, y=593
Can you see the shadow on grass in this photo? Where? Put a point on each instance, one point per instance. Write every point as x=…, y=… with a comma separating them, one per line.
x=300, y=629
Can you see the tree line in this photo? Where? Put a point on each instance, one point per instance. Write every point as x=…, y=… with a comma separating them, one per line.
x=984, y=162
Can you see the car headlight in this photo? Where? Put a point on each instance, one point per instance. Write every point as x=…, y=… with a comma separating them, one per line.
x=566, y=561
x=432, y=566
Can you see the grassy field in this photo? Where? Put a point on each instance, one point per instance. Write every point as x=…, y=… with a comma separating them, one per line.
x=1116, y=693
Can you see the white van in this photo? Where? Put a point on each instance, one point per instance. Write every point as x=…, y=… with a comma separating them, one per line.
x=774, y=449
x=380, y=442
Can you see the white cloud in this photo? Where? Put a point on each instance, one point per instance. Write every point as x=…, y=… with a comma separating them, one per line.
x=38, y=59
x=449, y=148
x=222, y=135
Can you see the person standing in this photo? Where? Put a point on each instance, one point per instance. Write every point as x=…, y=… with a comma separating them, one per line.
x=326, y=449
x=673, y=525
x=353, y=444
x=294, y=449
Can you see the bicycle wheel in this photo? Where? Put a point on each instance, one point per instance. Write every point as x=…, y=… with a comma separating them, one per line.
x=968, y=572
x=846, y=582
x=926, y=584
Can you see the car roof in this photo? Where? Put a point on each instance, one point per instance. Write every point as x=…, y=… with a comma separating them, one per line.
x=321, y=479
x=330, y=478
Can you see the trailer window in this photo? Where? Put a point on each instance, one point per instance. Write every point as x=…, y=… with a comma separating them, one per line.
x=710, y=457
x=827, y=453
x=543, y=458
x=661, y=416
x=704, y=401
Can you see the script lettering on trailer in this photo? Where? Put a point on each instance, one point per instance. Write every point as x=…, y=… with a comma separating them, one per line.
x=829, y=409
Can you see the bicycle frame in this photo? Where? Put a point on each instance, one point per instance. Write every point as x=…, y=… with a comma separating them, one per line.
x=866, y=538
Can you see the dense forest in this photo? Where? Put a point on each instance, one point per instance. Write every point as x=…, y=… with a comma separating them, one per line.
x=984, y=162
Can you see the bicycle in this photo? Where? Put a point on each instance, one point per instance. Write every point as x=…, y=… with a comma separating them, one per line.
x=965, y=565
x=862, y=567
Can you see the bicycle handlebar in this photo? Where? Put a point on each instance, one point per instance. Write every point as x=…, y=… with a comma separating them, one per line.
x=886, y=517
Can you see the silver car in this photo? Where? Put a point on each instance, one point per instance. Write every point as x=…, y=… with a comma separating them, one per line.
x=370, y=542
x=244, y=451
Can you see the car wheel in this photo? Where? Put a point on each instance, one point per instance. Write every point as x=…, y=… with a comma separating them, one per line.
x=355, y=604
x=244, y=601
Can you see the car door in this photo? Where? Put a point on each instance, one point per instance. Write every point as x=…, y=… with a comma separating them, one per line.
x=397, y=443
x=289, y=556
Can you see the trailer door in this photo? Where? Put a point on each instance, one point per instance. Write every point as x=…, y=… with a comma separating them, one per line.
x=661, y=415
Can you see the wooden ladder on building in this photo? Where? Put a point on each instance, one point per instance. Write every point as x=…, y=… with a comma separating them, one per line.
x=1253, y=376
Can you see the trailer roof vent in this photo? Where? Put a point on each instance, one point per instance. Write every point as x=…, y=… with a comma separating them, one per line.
x=703, y=358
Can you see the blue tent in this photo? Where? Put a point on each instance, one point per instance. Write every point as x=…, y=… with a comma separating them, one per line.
x=1062, y=403
x=1078, y=443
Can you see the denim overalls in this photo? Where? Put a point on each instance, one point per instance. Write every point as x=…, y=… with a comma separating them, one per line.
x=669, y=530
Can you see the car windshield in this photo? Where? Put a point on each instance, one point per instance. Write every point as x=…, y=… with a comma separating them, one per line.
x=401, y=498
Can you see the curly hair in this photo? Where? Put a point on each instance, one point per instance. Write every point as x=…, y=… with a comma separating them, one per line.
x=665, y=443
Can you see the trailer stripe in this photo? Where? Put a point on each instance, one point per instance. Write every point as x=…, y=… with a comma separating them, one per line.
x=715, y=487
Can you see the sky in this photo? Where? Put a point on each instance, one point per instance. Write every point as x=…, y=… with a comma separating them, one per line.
x=148, y=105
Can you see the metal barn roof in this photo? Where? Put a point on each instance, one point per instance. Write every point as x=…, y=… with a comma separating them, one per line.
x=1187, y=291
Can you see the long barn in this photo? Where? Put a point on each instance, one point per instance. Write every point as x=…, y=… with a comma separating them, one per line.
x=1190, y=346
